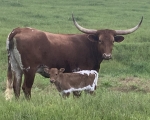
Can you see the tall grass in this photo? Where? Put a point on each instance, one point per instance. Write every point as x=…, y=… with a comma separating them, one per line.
x=123, y=87
x=104, y=105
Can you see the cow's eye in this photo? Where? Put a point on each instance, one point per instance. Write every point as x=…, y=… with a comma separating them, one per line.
x=56, y=74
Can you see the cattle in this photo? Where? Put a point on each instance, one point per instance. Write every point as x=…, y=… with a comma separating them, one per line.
x=29, y=50
x=73, y=82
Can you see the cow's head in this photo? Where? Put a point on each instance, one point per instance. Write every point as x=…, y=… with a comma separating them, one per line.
x=105, y=38
x=54, y=73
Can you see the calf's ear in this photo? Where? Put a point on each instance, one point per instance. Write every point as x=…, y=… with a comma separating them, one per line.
x=61, y=70
x=118, y=38
x=46, y=70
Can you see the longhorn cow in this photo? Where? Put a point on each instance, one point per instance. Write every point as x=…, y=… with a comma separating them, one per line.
x=29, y=49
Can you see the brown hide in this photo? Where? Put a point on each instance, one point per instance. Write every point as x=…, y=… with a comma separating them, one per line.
x=74, y=80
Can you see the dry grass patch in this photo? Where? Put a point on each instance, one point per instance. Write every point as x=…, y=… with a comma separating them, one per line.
x=132, y=84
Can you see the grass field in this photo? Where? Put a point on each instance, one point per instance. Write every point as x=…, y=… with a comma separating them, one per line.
x=123, y=91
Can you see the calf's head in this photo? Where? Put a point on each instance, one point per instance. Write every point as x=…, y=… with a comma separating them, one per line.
x=54, y=73
x=105, y=38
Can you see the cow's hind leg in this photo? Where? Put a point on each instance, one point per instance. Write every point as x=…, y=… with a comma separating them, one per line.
x=13, y=82
x=28, y=82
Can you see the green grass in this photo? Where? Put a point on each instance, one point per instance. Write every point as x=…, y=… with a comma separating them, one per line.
x=123, y=91
x=105, y=104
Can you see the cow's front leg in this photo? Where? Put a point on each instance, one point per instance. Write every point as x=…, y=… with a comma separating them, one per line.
x=28, y=82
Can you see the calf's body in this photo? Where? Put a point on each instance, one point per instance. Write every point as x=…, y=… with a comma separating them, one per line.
x=73, y=82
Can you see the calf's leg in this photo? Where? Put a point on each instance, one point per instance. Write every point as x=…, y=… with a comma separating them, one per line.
x=64, y=95
x=76, y=93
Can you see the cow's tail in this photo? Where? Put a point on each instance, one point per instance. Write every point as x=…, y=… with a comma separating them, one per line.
x=10, y=73
x=9, y=84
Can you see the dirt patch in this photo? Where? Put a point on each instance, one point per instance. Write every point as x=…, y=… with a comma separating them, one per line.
x=132, y=84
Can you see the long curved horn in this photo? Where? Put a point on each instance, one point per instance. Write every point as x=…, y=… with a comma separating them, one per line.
x=84, y=30
x=128, y=31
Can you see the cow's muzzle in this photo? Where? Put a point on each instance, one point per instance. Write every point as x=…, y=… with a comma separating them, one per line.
x=107, y=56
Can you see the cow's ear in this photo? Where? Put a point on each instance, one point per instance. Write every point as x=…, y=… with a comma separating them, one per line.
x=118, y=38
x=46, y=70
x=61, y=70
x=92, y=37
